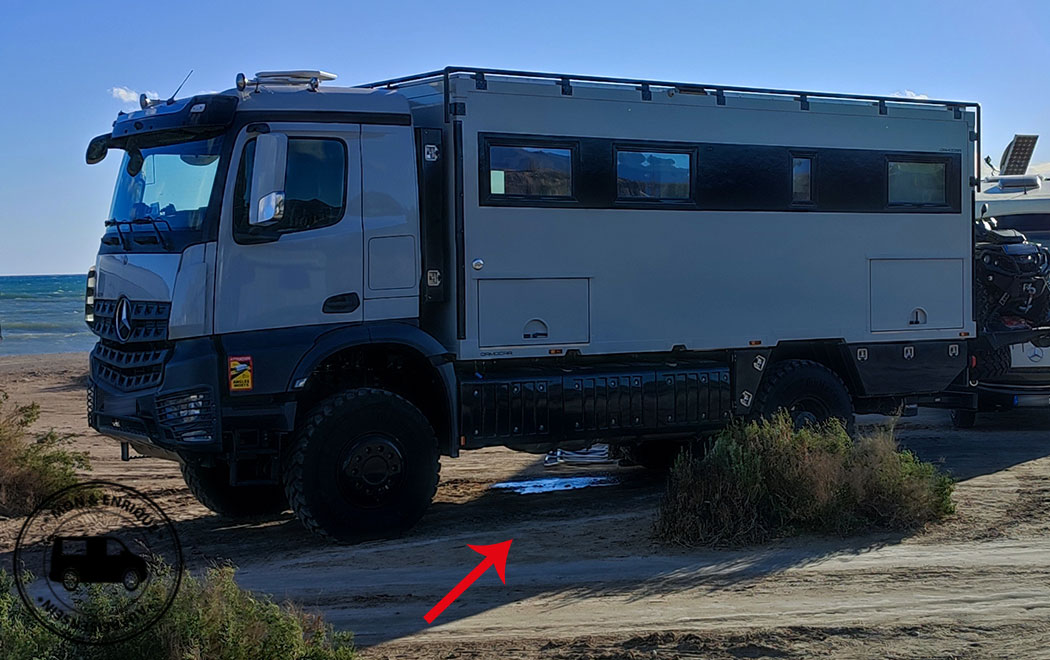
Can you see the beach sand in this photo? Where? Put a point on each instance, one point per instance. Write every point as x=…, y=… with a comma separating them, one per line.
x=585, y=580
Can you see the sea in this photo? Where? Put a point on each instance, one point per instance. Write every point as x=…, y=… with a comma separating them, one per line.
x=43, y=314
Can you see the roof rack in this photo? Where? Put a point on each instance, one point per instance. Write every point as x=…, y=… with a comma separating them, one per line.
x=644, y=87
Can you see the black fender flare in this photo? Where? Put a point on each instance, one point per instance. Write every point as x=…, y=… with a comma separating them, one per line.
x=404, y=334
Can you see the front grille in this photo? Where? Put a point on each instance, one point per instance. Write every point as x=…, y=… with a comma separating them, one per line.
x=128, y=370
x=149, y=321
x=138, y=362
x=190, y=415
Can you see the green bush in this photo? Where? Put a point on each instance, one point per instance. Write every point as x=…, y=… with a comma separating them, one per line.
x=763, y=480
x=211, y=619
x=32, y=468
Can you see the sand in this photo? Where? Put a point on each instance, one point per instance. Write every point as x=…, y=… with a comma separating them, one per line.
x=585, y=580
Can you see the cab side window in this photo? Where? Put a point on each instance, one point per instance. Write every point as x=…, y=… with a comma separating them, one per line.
x=314, y=189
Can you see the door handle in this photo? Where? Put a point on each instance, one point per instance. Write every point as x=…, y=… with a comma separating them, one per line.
x=342, y=303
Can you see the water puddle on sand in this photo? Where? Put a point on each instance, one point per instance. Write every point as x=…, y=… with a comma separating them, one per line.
x=552, y=484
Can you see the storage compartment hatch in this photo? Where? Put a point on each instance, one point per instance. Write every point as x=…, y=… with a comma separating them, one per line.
x=917, y=294
x=520, y=312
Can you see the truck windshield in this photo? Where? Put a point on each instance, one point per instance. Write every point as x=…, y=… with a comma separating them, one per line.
x=170, y=192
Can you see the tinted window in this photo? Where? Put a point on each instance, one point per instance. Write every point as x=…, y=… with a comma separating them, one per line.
x=652, y=175
x=801, y=180
x=917, y=183
x=77, y=547
x=530, y=171
x=314, y=185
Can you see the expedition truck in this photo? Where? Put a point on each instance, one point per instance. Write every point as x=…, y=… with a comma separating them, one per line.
x=308, y=294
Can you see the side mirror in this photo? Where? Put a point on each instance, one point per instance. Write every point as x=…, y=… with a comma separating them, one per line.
x=97, y=149
x=268, y=170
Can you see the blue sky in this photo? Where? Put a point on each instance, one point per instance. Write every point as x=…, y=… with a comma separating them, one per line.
x=63, y=60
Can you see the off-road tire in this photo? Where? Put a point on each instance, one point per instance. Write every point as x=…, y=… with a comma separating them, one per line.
x=656, y=455
x=333, y=428
x=211, y=486
x=992, y=364
x=984, y=304
x=796, y=385
x=963, y=419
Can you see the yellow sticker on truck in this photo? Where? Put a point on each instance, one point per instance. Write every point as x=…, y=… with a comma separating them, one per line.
x=241, y=374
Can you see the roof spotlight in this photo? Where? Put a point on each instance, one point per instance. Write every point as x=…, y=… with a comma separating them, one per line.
x=242, y=82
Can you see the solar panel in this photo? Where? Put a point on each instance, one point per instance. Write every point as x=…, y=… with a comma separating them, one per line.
x=1017, y=155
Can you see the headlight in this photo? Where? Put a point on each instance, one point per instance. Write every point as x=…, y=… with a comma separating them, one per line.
x=89, y=297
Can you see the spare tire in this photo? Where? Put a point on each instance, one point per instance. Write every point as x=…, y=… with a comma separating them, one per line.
x=991, y=364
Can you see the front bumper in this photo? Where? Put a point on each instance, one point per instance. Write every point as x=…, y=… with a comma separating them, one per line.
x=178, y=410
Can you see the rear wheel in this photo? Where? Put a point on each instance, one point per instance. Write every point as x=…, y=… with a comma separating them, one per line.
x=654, y=454
x=211, y=486
x=365, y=465
x=963, y=419
x=808, y=391
x=70, y=579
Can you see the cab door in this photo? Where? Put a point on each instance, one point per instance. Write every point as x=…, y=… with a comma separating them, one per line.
x=307, y=268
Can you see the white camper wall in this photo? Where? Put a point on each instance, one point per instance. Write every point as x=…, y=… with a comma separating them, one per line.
x=614, y=280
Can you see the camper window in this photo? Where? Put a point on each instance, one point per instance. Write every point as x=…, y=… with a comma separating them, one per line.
x=530, y=171
x=651, y=175
x=801, y=180
x=918, y=183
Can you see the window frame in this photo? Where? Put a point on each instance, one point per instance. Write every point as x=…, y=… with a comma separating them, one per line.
x=945, y=161
x=247, y=235
x=676, y=148
x=812, y=203
x=489, y=140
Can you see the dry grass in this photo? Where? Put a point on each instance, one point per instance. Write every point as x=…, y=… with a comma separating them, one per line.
x=764, y=480
x=32, y=466
x=211, y=619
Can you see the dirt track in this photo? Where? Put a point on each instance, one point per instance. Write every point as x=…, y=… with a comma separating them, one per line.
x=585, y=580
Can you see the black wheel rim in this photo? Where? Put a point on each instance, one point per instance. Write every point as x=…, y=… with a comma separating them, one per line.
x=70, y=580
x=370, y=470
x=808, y=412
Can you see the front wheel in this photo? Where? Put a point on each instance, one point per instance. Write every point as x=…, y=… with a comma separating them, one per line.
x=211, y=486
x=364, y=465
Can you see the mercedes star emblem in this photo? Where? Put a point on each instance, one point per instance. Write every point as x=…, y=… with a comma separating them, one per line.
x=122, y=320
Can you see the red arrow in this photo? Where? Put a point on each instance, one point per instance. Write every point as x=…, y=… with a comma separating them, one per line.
x=495, y=555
